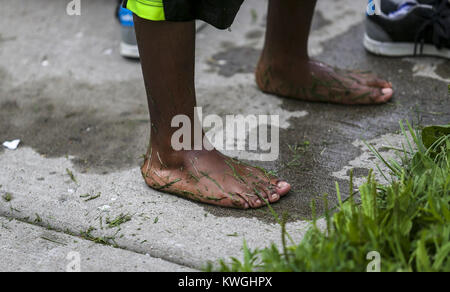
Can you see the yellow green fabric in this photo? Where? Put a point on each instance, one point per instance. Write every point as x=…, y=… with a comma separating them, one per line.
x=147, y=9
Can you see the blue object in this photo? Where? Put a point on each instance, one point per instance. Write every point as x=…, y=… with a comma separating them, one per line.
x=403, y=9
x=371, y=8
x=125, y=17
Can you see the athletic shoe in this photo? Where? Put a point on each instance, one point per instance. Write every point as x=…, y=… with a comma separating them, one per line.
x=128, y=46
x=410, y=28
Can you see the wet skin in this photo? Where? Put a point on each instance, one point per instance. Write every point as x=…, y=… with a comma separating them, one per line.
x=167, y=51
x=210, y=177
x=312, y=80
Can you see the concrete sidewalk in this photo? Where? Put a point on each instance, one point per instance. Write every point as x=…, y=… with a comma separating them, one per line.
x=27, y=247
x=81, y=112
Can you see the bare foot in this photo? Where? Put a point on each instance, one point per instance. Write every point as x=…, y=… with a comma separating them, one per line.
x=314, y=81
x=210, y=177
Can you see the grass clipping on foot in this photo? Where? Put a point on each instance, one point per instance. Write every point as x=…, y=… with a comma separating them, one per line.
x=407, y=223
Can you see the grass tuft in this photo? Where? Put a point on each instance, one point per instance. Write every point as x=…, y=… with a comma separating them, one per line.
x=119, y=220
x=90, y=198
x=7, y=197
x=406, y=223
x=71, y=175
x=87, y=235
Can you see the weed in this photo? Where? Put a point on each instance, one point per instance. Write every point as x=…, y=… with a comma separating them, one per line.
x=7, y=197
x=92, y=197
x=101, y=240
x=407, y=221
x=119, y=220
x=71, y=175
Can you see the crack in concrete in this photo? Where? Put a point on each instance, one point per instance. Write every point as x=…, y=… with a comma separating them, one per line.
x=66, y=232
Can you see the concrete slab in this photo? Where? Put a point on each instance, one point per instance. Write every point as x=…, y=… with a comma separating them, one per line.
x=77, y=105
x=29, y=248
x=167, y=227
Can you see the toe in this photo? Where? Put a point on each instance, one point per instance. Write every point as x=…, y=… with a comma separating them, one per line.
x=371, y=80
x=263, y=194
x=256, y=202
x=377, y=82
x=238, y=201
x=252, y=201
x=386, y=95
x=275, y=197
x=387, y=91
x=271, y=193
x=281, y=187
x=370, y=95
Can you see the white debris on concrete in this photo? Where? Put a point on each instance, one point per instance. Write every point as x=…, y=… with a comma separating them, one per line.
x=426, y=67
x=388, y=145
x=11, y=145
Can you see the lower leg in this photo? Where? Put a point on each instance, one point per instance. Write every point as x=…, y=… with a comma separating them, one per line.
x=167, y=58
x=167, y=51
x=286, y=69
x=288, y=26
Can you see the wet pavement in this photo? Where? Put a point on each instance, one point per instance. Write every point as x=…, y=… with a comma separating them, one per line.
x=78, y=106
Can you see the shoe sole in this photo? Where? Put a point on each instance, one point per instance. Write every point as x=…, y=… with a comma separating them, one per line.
x=129, y=51
x=401, y=49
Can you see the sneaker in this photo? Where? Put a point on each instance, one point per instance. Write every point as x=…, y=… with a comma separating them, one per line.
x=128, y=46
x=410, y=28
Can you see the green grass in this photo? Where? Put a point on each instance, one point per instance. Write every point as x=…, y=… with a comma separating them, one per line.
x=7, y=197
x=87, y=235
x=406, y=222
x=90, y=198
x=119, y=220
x=71, y=175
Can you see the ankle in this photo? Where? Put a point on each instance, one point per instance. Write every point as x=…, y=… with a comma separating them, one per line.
x=274, y=72
x=281, y=64
x=164, y=157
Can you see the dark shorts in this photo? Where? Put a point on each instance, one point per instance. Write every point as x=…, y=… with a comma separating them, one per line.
x=219, y=13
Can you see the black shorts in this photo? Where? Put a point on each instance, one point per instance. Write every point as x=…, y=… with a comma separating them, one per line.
x=219, y=13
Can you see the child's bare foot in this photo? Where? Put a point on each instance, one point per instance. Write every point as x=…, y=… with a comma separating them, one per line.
x=314, y=81
x=210, y=177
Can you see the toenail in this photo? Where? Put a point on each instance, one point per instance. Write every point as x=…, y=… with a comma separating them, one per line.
x=274, y=196
x=387, y=91
x=282, y=184
x=246, y=206
x=258, y=202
